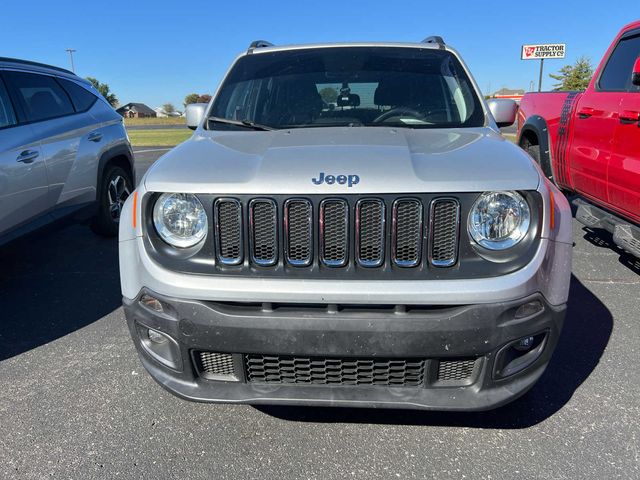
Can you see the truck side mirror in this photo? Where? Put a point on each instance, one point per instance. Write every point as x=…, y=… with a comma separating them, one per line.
x=635, y=75
x=195, y=113
x=503, y=110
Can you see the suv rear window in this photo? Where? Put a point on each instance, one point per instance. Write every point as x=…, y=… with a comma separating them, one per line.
x=356, y=86
x=7, y=117
x=82, y=98
x=41, y=96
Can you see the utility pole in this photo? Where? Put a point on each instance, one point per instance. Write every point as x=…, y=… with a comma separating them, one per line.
x=71, y=50
x=540, y=79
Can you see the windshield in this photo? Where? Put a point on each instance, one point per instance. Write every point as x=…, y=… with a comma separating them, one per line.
x=355, y=86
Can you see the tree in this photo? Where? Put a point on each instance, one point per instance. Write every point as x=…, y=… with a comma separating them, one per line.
x=329, y=95
x=168, y=108
x=574, y=77
x=196, y=98
x=191, y=98
x=105, y=91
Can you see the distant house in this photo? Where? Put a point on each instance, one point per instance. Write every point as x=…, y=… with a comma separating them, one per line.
x=509, y=93
x=136, y=110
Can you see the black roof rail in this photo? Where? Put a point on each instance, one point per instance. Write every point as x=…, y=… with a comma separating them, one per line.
x=36, y=64
x=435, y=39
x=258, y=44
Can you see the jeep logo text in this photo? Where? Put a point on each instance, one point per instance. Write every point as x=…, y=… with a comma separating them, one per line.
x=350, y=180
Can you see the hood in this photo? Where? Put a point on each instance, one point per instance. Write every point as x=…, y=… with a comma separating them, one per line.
x=343, y=160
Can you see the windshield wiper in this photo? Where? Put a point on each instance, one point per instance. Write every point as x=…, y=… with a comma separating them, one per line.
x=241, y=123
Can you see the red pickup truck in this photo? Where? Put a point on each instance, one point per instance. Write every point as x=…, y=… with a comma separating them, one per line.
x=589, y=142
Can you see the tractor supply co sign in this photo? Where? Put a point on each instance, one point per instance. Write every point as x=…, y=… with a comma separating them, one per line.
x=539, y=52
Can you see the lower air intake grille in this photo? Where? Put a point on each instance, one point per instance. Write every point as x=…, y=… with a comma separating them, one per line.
x=334, y=371
x=445, y=215
x=216, y=365
x=456, y=370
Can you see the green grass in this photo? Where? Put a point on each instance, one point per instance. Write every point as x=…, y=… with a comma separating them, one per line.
x=158, y=138
x=155, y=121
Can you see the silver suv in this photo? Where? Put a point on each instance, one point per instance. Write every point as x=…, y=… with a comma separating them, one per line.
x=64, y=151
x=347, y=227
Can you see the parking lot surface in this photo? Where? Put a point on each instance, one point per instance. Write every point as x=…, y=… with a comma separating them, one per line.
x=76, y=403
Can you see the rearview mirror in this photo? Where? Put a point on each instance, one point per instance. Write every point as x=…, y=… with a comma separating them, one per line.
x=195, y=113
x=635, y=75
x=503, y=110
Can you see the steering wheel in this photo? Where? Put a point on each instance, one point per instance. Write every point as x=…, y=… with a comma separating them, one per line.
x=397, y=112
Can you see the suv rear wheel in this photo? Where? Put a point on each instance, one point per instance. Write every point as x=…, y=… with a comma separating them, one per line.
x=115, y=189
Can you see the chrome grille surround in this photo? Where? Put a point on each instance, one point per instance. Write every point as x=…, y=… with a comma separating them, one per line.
x=334, y=232
x=263, y=232
x=370, y=232
x=298, y=232
x=444, y=232
x=407, y=232
x=228, y=231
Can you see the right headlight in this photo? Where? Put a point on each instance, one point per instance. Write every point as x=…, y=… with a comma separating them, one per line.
x=180, y=219
x=499, y=220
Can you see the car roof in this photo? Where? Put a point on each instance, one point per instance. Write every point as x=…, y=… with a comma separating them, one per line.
x=29, y=66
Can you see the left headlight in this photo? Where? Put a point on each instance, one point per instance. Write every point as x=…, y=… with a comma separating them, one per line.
x=499, y=220
x=180, y=219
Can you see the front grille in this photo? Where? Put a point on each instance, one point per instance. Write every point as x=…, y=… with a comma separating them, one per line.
x=370, y=232
x=298, y=217
x=445, y=214
x=263, y=221
x=334, y=232
x=228, y=213
x=407, y=232
x=337, y=232
x=334, y=371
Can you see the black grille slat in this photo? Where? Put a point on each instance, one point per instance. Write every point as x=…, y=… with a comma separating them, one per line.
x=299, y=232
x=334, y=232
x=264, y=242
x=370, y=232
x=228, y=214
x=445, y=220
x=334, y=371
x=407, y=232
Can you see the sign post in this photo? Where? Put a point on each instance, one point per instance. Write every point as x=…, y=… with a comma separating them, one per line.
x=542, y=51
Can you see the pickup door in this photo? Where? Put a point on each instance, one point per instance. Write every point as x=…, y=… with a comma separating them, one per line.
x=624, y=166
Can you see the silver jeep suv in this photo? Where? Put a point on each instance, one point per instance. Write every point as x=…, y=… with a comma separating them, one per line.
x=64, y=151
x=347, y=227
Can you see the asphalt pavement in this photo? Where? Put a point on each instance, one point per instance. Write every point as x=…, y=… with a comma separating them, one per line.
x=76, y=403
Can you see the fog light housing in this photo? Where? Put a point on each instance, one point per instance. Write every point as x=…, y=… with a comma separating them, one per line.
x=160, y=346
x=519, y=354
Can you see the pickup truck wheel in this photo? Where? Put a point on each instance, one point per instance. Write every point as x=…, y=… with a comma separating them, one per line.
x=115, y=189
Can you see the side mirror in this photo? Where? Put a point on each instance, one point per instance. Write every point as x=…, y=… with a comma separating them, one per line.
x=503, y=110
x=635, y=75
x=195, y=113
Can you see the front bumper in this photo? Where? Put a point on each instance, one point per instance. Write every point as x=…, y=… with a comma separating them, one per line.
x=433, y=334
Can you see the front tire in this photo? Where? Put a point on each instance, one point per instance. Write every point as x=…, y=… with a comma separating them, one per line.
x=115, y=188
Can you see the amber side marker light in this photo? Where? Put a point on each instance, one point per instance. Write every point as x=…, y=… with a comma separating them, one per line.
x=135, y=209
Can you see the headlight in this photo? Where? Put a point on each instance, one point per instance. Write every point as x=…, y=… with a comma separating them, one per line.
x=180, y=219
x=499, y=220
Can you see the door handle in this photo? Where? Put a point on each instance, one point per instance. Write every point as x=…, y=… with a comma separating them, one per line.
x=28, y=156
x=586, y=112
x=629, y=116
x=94, y=137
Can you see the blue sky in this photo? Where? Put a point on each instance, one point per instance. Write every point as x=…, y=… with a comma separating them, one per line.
x=159, y=51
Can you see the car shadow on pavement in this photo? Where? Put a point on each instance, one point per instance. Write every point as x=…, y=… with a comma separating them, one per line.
x=584, y=337
x=604, y=239
x=53, y=283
